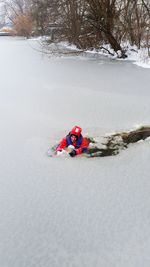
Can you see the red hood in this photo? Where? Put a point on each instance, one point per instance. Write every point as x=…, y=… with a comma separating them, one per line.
x=76, y=130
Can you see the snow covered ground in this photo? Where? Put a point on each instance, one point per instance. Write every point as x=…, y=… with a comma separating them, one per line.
x=71, y=212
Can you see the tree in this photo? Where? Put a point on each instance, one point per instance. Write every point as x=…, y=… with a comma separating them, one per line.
x=85, y=23
x=23, y=24
x=18, y=12
x=44, y=12
x=103, y=16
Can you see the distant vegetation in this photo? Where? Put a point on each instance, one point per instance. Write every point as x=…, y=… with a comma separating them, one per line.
x=87, y=24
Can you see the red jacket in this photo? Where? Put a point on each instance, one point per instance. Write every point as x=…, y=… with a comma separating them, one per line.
x=80, y=145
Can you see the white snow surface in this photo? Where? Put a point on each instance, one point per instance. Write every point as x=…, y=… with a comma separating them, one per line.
x=71, y=212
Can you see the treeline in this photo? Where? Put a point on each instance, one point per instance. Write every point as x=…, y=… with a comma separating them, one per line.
x=86, y=23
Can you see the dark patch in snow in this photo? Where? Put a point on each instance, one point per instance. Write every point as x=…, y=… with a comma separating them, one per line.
x=113, y=144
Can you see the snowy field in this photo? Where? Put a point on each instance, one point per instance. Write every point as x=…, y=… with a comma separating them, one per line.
x=71, y=212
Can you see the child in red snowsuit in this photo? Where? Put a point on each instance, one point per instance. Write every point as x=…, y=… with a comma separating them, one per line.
x=75, y=140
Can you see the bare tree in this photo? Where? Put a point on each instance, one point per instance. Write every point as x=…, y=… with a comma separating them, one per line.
x=103, y=16
x=23, y=24
x=2, y=15
x=90, y=23
x=44, y=13
x=18, y=12
x=85, y=23
x=146, y=4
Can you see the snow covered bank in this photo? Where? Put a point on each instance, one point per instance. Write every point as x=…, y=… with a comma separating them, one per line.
x=139, y=57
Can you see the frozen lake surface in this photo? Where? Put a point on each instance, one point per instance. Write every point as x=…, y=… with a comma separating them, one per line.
x=77, y=212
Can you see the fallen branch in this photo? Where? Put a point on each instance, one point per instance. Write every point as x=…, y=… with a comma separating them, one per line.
x=104, y=48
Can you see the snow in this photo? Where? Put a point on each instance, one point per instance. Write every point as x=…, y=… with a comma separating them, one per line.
x=137, y=56
x=140, y=57
x=71, y=211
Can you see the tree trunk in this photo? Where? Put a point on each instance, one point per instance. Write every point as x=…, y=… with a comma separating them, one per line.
x=115, y=45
